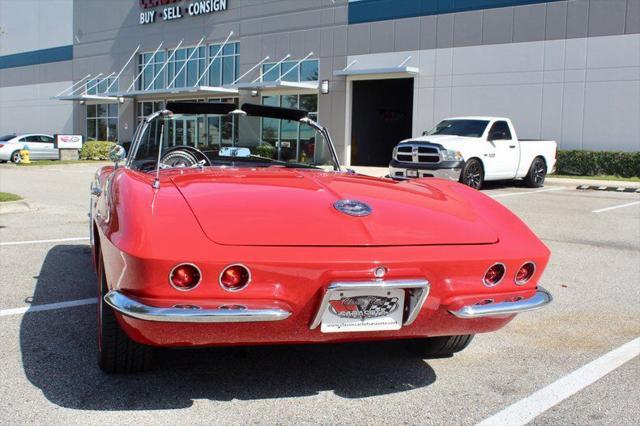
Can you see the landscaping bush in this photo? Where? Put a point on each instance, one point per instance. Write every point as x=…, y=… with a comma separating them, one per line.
x=266, y=150
x=96, y=150
x=594, y=163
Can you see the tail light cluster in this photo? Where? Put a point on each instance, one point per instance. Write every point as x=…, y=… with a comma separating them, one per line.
x=497, y=271
x=187, y=276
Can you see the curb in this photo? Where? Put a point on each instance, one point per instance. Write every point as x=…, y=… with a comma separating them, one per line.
x=607, y=188
x=14, y=207
x=595, y=183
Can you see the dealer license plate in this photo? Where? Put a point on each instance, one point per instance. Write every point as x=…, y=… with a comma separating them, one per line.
x=412, y=173
x=364, y=310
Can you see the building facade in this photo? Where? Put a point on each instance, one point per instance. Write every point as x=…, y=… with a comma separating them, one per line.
x=373, y=71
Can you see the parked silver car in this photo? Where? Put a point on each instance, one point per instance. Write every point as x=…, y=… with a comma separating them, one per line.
x=41, y=147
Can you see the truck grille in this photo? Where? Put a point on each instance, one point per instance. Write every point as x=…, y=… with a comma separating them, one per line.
x=408, y=153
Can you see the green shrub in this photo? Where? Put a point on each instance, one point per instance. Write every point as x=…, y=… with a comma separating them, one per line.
x=266, y=150
x=96, y=150
x=593, y=163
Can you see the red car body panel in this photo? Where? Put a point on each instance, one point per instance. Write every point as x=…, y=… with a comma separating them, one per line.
x=281, y=223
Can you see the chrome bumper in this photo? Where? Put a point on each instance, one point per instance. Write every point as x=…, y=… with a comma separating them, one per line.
x=401, y=173
x=539, y=300
x=193, y=314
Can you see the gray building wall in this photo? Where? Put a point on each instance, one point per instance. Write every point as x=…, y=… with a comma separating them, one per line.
x=25, y=104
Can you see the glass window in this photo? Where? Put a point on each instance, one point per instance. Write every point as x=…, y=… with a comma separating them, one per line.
x=291, y=71
x=101, y=86
x=102, y=122
x=153, y=69
x=269, y=74
x=500, y=131
x=309, y=70
x=226, y=66
x=292, y=141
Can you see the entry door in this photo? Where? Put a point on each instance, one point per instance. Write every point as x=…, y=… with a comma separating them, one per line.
x=382, y=116
x=507, y=154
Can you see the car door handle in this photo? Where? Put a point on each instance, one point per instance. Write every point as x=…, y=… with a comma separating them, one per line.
x=512, y=146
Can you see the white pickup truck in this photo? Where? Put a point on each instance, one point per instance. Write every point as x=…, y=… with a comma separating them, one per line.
x=473, y=150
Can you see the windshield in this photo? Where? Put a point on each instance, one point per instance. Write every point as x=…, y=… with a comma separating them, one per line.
x=7, y=137
x=230, y=140
x=465, y=128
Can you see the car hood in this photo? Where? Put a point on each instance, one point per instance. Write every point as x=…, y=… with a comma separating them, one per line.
x=293, y=207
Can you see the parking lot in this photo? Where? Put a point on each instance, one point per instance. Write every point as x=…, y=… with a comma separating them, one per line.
x=49, y=372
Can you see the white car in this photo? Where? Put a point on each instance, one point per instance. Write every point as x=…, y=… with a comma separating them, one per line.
x=474, y=150
x=41, y=147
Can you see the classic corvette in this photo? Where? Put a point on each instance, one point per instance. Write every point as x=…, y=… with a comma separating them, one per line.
x=262, y=238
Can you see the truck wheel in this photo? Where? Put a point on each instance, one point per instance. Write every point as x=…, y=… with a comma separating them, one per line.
x=441, y=346
x=117, y=353
x=16, y=157
x=473, y=174
x=537, y=174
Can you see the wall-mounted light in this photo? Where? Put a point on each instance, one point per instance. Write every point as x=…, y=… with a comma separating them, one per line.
x=254, y=93
x=324, y=87
x=121, y=99
x=81, y=102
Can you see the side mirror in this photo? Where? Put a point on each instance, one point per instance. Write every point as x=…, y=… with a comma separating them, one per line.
x=117, y=154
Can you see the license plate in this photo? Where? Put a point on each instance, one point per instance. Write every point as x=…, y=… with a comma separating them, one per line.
x=363, y=310
x=412, y=173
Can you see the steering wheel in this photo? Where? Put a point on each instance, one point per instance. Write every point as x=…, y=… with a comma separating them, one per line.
x=184, y=156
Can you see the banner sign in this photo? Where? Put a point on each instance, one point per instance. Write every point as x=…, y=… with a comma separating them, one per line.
x=173, y=11
x=69, y=141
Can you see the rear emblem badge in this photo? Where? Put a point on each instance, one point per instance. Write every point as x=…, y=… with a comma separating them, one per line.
x=352, y=207
x=363, y=307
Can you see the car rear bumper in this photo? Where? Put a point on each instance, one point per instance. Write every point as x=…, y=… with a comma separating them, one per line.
x=247, y=322
x=490, y=309
x=190, y=313
x=445, y=170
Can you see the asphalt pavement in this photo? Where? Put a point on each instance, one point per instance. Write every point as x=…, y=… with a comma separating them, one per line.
x=49, y=373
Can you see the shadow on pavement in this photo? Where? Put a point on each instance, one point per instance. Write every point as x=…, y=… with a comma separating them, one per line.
x=59, y=357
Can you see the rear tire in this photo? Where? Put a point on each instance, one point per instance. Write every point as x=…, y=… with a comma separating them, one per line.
x=16, y=157
x=473, y=174
x=440, y=346
x=537, y=174
x=117, y=353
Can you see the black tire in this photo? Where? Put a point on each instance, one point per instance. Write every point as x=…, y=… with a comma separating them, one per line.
x=440, y=346
x=473, y=174
x=117, y=353
x=16, y=157
x=537, y=173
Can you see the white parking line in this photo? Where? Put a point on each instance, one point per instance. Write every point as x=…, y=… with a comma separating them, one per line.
x=47, y=307
x=58, y=240
x=532, y=406
x=511, y=194
x=616, y=207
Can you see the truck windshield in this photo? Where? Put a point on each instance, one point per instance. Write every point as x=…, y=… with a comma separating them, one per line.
x=465, y=128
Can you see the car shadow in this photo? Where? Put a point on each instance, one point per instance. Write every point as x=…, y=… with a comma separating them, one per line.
x=59, y=357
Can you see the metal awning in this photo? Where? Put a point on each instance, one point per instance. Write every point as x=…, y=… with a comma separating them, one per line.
x=198, y=91
x=88, y=98
x=370, y=71
x=279, y=85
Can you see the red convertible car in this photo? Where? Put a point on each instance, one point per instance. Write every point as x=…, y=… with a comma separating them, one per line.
x=261, y=238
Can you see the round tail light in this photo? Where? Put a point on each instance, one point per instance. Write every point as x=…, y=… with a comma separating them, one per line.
x=494, y=275
x=525, y=273
x=185, y=276
x=235, y=277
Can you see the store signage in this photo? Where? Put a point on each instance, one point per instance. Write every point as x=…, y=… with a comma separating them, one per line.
x=69, y=141
x=176, y=9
